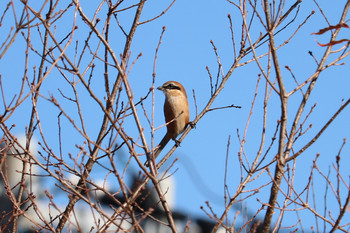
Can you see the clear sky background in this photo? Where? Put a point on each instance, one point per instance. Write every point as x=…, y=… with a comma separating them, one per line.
x=183, y=56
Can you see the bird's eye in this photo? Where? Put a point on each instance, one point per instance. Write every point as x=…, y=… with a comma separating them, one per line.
x=172, y=86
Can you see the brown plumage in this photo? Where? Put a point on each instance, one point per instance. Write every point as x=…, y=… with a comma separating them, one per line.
x=176, y=112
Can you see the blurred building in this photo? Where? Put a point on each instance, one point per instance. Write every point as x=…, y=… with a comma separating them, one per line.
x=14, y=165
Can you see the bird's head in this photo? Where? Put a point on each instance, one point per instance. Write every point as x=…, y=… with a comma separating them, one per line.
x=172, y=88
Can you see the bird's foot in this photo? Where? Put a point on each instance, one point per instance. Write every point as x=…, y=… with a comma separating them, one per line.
x=177, y=142
x=192, y=124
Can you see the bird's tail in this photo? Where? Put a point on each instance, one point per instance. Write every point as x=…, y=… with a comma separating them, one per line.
x=160, y=147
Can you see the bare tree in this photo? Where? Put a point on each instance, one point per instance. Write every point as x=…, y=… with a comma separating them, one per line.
x=77, y=96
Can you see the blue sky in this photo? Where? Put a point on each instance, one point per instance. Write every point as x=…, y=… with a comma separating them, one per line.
x=183, y=56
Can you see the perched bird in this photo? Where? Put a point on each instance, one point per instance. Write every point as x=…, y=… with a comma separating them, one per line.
x=176, y=113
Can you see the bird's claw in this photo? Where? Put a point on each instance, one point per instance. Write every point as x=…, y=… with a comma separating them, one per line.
x=192, y=124
x=177, y=142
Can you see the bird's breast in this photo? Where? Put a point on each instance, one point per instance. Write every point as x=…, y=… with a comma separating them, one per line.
x=176, y=107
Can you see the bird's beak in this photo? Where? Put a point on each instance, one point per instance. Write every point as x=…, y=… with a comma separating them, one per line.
x=160, y=88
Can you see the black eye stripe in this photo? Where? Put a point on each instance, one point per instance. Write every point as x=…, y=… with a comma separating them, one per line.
x=172, y=86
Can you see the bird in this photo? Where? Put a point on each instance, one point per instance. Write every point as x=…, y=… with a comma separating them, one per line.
x=176, y=113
